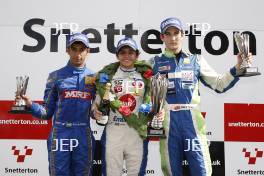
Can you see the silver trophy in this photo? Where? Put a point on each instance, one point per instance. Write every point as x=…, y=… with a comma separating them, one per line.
x=158, y=89
x=242, y=42
x=19, y=106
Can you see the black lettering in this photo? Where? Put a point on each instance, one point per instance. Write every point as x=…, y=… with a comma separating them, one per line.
x=150, y=171
x=145, y=41
x=94, y=132
x=148, y=39
x=96, y=39
x=208, y=42
x=35, y=35
x=54, y=36
x=192, y=39
x=129, y=31
x=110, y=33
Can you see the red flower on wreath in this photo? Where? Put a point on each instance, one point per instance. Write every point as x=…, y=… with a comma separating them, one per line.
x=148, y=74
x=124, y=110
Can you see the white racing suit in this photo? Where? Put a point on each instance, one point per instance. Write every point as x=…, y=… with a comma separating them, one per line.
x=120, y=141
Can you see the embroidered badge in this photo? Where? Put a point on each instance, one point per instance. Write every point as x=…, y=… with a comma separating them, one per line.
x=164, y=68
x=89, y=80
x=186, y=61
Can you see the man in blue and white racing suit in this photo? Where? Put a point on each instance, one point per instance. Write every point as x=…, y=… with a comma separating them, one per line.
x=68, y=97
x=184, y=121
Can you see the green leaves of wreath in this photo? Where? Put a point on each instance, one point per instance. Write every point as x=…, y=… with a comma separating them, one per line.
x=138, y=122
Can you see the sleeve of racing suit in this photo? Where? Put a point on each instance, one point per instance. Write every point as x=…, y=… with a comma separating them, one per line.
x=46, y=110
x=218, y=82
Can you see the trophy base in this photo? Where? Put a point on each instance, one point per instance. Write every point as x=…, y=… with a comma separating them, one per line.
x=152, y=132
x=249, y=71
x=20, y=110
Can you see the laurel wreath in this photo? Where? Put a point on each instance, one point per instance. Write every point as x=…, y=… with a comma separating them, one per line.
x=137, y=121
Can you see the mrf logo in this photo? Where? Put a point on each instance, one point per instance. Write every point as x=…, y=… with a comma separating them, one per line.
x=77, y=94
x=252, y=159
x=21, y=156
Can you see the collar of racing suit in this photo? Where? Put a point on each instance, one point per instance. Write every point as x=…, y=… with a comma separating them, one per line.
x=170, y=54
x=75, y=70
x=127, y=70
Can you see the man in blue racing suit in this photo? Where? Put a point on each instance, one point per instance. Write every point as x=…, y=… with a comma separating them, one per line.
x=184, y=121
x=68, y=96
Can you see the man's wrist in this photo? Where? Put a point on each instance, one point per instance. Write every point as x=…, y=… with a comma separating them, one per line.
x=234, y=71
x=29, y=104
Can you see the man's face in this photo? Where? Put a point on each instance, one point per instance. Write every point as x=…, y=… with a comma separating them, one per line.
x=78, y=53
x=127, y=56
x=172, y=39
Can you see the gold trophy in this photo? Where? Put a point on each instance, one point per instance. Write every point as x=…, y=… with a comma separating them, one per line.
x=242, y=42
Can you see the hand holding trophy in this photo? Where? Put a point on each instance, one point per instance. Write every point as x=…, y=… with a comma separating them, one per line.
x=159, y=86
x=245, y=70
x=19, y=106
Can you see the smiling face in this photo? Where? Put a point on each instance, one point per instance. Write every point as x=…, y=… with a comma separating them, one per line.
x=127, y=57
x=172, y=39
x=78, y=53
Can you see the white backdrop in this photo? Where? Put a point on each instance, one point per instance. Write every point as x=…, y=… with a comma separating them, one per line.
x=225, y=16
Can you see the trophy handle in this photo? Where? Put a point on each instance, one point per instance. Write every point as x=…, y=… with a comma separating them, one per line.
x=24, y=90
x=245, y=70
x=18, y=90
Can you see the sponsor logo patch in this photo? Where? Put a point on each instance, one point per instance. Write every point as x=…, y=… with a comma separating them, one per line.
x=77, y=94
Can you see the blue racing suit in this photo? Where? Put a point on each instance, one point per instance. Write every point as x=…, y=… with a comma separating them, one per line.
x=184, y=121
x=68, y=96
